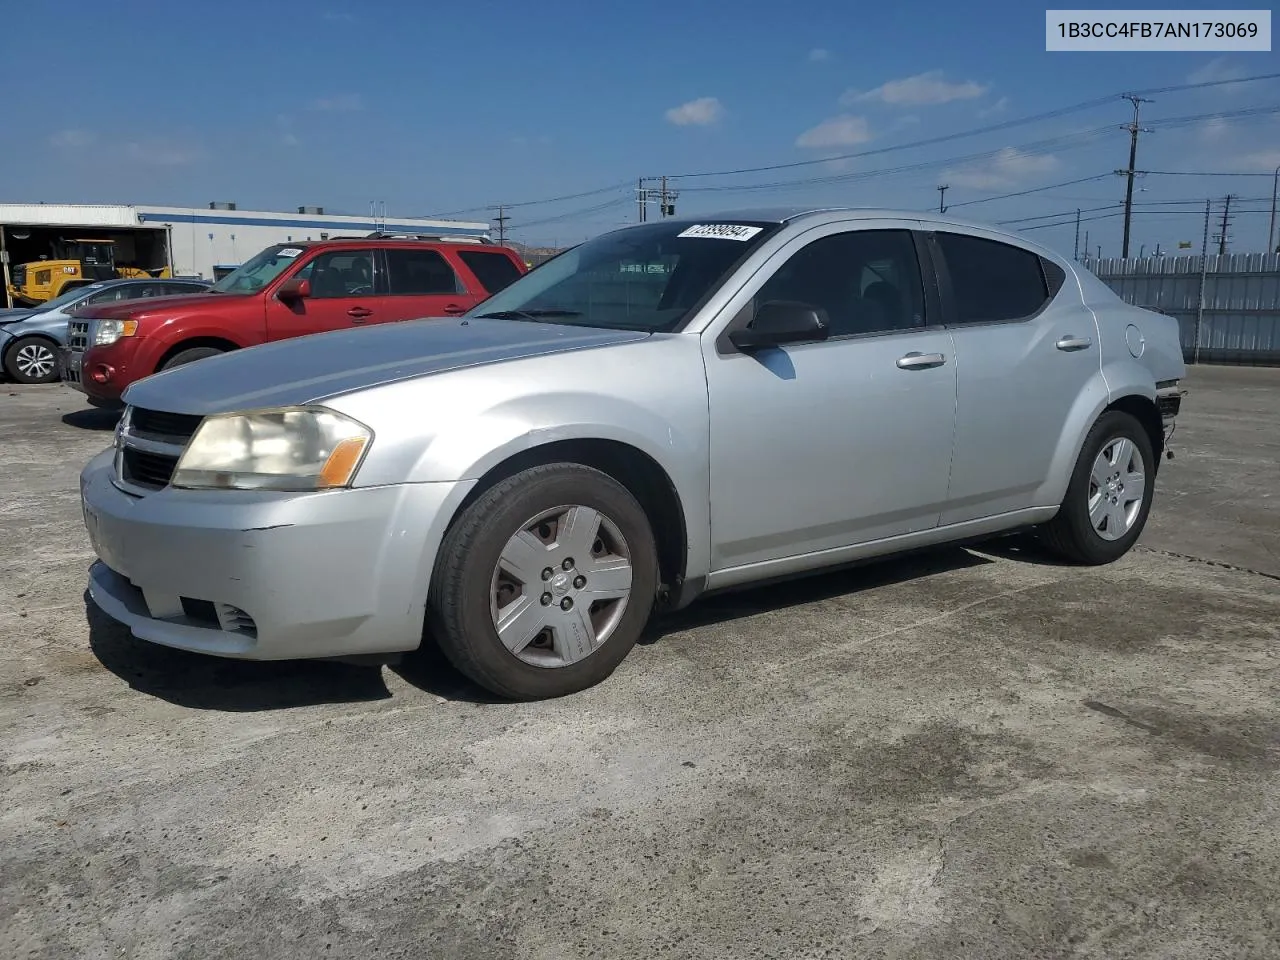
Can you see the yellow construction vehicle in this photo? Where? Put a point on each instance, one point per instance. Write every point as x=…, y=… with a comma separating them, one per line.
x=74, y=263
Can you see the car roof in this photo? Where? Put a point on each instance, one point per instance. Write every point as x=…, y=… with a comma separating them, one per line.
x=817, y=216
x=362, y=241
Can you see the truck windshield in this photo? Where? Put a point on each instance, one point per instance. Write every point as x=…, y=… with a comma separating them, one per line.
x=256, y=273
x=647, y=278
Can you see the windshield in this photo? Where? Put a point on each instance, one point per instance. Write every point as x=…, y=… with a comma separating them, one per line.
x=256, y=273
x=646, y=278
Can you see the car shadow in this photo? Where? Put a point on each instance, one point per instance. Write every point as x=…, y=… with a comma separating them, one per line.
x=92, y=418
x=749, y=601
x=202, y=682
x=1023, y=548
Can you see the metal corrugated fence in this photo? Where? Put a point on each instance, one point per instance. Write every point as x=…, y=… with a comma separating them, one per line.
x=1238, y=320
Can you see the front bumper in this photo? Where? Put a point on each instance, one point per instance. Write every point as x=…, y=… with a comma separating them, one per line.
x=266, y=576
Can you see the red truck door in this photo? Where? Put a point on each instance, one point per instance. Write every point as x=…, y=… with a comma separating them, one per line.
x=342, y=295
x=422, y=283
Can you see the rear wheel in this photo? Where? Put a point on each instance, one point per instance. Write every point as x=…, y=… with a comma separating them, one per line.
x=190, y=356
x=545, y=583
x=32, y=360
x=1109, y=496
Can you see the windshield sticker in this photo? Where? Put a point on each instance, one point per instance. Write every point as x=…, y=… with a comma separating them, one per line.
x=289, y=252
x=721, y=231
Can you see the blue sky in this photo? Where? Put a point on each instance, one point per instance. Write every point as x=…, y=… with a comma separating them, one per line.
x=437, y=107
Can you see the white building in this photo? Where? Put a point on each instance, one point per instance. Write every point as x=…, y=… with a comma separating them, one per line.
x=192, y=241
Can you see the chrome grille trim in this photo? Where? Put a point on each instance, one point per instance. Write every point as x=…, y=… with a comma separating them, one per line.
x=148, y=446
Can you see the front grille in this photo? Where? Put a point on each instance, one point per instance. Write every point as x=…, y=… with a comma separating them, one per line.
x=179, y=427
x=78, y=335
x=152, y=470
x=18, y=277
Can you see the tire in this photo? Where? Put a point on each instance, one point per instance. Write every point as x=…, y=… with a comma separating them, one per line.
x=1073, y=533
x=33, y=359
x=190, y=355
x=474, y=588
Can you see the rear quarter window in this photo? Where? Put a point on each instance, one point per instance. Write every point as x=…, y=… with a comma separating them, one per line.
x=494, y=270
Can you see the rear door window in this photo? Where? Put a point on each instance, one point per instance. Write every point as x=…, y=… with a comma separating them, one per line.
x=494, y=270
x=414, y=272
x=992, y=281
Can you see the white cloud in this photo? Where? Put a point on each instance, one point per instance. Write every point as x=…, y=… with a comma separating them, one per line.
x=342, y=103
x=1000, y=106
x=73, y=139
x=904, y=121
x=1010, y=167
x=818, y=54
x=163, y=153
x=844, y=130
x=698, y=113
x=1262, y=160
x=1219, y=68
x=919, y=90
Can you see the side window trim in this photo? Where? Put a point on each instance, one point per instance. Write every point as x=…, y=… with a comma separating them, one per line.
x=950, y=310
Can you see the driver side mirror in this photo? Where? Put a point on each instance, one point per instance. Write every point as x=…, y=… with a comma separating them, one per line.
x=295, y=289
x=779, y=322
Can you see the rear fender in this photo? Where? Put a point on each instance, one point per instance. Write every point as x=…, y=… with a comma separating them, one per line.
x=1089, y=404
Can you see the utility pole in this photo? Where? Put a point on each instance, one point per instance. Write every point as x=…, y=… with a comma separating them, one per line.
x=1129, y=173
x=1086, y=246
x=501, y=220
x=1204, y=269
x=1076, y=253
x=942, y=196
x=665, y=195
x=1271, y=227
x=1226, y=222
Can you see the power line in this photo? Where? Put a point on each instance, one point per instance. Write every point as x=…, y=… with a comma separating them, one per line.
x=1202, y=173
x=929, y=141
x=1023, y=193
x=990, y=128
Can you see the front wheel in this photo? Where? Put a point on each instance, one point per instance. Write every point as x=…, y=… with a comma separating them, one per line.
x=32, y=360
x=190, y=355
x=1109, y=496
x=544, y=584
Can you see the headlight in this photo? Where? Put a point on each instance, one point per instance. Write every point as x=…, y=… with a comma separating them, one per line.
x=107, y=332
x=291, y=448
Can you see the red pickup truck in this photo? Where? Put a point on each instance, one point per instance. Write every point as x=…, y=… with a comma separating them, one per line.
x=287, y=290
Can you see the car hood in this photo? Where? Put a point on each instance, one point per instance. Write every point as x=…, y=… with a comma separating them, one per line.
x=17, y=313
x=313, y=368
x=146, y=306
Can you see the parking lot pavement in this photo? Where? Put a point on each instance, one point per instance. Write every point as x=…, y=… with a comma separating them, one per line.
x=974, y=754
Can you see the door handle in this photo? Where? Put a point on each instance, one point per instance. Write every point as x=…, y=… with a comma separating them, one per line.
x=452, y=309
x=359, y=313
x=1073, y=343
x=920, y=361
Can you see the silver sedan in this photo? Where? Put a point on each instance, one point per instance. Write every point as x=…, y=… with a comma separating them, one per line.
x=668, y=409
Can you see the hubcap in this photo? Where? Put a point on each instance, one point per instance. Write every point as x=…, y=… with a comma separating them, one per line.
x=561, y=586
x=1116, y=485
x=35, y=360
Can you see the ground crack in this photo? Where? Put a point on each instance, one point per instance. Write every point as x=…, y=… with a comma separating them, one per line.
x=1211, y=563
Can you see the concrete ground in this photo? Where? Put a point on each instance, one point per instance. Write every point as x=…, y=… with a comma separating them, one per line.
x=978, y=754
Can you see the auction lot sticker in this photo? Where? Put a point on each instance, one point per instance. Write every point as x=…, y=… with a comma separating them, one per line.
x=1137, y=31
x=721, y=231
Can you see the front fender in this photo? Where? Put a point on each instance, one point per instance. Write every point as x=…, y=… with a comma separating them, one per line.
x=469, y=448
